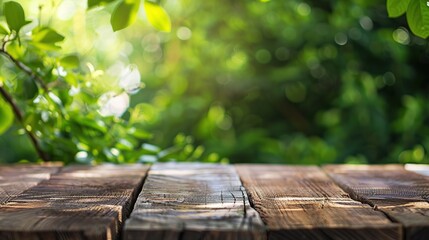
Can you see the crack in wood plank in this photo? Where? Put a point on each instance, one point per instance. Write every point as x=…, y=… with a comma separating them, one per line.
x=79, y=202
x=398, y=193
x=193, y=205
x=300, y=202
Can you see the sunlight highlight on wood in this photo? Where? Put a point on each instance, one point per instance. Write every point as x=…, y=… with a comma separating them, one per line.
x=299, y=202
x=422, y=169
x=14, y=179
x=80, y=202
x=193, y=201
x=401, y=194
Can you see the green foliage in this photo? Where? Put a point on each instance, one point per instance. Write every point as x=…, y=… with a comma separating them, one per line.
x=66, y=104
x=157, y=16
x=300, y=82
x=4, y=30
x=6, y=116
x=126, y=11
x=417, y=12
x=70, y=61
x=15, y=16
x=289, y=82
x=396, y=8
x=94, y=3
x=124, y=14
x=46, y=38
x=418, y=18
x=26, y=89
x=46, y=35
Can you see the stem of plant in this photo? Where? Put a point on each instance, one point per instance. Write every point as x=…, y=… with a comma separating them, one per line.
x=15, y=108
x=24, y=68
x=19, y=116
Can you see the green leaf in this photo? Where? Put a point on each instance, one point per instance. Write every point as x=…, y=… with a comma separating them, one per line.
x=6, y=116
x=168, y=153
x=88, y=122
x=64, y=96
x=16, y=51
x=418, y=18
x=47, y=35
x=396, y=8
x=94, y=3
x=125, y=144
x=45, y=46
x=4, y=30
x=157, y=16
x=70, y=61
x=124, y=14
x=15, y=16
x=151, y=148
x=27, y=89
x=46, y=38
x=139, y=133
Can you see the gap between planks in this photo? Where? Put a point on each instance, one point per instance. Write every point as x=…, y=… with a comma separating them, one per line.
x=301, y=202
x=79, y=202
x=400, y=194
x=291, y=193
x=193, y=201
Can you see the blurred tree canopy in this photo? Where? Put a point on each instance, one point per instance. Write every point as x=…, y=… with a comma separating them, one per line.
x=302, y=82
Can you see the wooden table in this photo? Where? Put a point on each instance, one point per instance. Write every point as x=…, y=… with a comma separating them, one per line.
x=211, y=201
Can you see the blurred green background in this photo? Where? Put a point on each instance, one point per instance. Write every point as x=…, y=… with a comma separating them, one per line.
x=299, y=82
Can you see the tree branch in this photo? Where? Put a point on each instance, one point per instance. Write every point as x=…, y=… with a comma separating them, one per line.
x=25, y=69
x=19, y=116
x=15, y=108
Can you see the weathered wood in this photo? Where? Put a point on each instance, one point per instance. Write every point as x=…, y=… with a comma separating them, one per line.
x=298, y=202
x=80, y=202
x=193, y=201
x=14, y=179
x=400, y=194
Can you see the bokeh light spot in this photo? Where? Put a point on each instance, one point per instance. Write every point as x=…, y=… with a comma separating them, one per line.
x=303, y=9
x=401, y=36
x=184, y=33
x=263, y=56
x=366, y=23
x=389, y=78
x=341, y=39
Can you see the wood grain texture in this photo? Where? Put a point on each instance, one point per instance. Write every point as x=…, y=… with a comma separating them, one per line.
x=14, y=179
x=401, y=194
x=298, y=202
x=193, y=201
x=80, y=202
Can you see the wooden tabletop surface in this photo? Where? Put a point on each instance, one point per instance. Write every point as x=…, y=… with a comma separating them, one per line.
x=212, y=201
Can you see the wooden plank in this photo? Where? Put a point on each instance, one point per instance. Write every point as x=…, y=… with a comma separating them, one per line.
x=193, y=201
x=14, y=179
x=299, y=202
x=80, y=202
x=422, y=169
x=401, y=194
